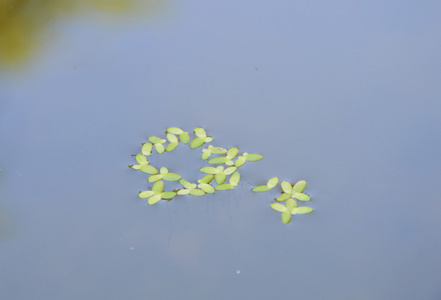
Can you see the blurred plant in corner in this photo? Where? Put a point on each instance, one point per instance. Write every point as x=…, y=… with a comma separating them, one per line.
x=25, y=24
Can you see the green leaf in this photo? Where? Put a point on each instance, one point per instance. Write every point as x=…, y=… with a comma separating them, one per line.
x=200, y=132
x=183, y=192
x=224, y=187
x=230, y=170
x=286, y=216
x=302, y=210
x=232, y=152
x=197, y=142
x=155, y=140
x=158, y=187
x=291, y=204
x=299, y=187
x=149, y=169
x=154, y=199
x=154, y=178
x=217, y=160
x=240, y=161
x=261, y=188
x=163, y=170
x=168, y=195
x=146, y=194
x=279, y=207
x=272, y=182
x=172, y=138
x=184, y=138
x=172, y=177
x=206, y=179
x=136, y=167
x=301, y=197
x=205, y=154
x=283, y=197
x=207, y=188
x=172, y=146
x=209, y=170
x=174, y=130
x=159, y=148
x=186, y=184
x=253, y=157
x=141, y=159
x=220, y=177
x=147, y=149
x=286, y=187
x=235, y=178
x=217, y=150
x=197, y=192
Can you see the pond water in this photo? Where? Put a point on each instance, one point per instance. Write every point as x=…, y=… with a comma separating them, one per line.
x=344, y=95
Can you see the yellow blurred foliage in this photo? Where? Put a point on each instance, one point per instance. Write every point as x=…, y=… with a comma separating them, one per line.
x=24, y=23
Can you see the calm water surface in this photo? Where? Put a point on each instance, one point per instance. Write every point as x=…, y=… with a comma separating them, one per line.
x=343, y=95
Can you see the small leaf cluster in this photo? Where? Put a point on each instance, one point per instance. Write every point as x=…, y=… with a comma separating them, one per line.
x=217, y=178
x=286, y=203
x=221, y=174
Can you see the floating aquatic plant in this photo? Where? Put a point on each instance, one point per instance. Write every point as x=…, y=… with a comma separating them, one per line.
x=224, y=173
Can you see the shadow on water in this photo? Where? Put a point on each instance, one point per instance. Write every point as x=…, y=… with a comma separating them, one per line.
x=25, y=25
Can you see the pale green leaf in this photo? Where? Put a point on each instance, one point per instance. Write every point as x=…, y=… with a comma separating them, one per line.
x=168, y=195
x=155, y=178
x=272, y=182
x=217, y=160
x=240, y=161
x=286, y=187
x=302, y=210
x=197, y=192
x=217, y=150
x=207, y=188
x=299, y=187
x=186, y=184
x=261, y=188
x=230, y=170
x=174, y=130
x=229, y=162
x=209, y=170
x=224, y=187
x=136, y=167
x=172, y=138
x=146, y=194
x=283, y=197
x=301, y=196
x=154, y=199
x=291, y=204
x=279, y=207
x=155, y=140
x=286, y=216
x=147, y=149
x=206, y=179
x=149, y=169
x=159, y=148
x=200, y=132
x=208, y=139
x=197, y=142
x=205, y=154
x=141, y=159
x=158, y=187
x=172, y=177
x=184, y=138
x=171, y=146
x=220, y=177
x=232, y=152
x=253, y=157
x=235, y=178
x=183, y=192
x=163, y=170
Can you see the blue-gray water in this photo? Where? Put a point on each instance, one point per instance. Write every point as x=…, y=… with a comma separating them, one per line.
x=344, y=95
